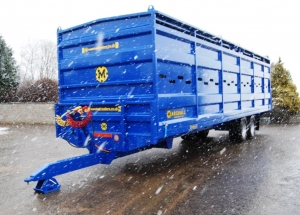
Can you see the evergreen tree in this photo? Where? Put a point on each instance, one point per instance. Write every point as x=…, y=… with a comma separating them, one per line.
x=9, y=78
x=286, y=101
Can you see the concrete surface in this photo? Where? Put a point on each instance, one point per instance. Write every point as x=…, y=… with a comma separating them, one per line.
x=259, y=176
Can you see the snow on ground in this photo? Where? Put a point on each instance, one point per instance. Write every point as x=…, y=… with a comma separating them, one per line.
x=3, y=130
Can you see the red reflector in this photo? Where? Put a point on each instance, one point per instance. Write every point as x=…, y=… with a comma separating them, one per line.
x=102, y=135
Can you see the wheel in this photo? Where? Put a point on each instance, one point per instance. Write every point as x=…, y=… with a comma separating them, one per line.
x=251, y=128
x=199, y=135
x=238, y=130
x=189, y=137
x=202, y=135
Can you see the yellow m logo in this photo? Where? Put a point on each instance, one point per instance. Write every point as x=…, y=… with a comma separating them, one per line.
x=101, y=73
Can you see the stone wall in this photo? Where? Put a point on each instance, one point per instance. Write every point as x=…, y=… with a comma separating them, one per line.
x=27, y=113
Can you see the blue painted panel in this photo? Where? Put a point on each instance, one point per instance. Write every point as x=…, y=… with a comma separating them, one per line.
x=175, y=100
x=207, y=52
x=258, y=73
x=229, y=59
x=232, y=97
x=207, y=57
x=230, y=82
x=259, y=95
x=173, y=49
x=247, y=104
x=230, y=63
x=268, y=95
x=266, y=85
x=174, y=78
x=267, y=101
x=246, y=64
x=106, y=25
x=209, y=109
x=258, y=102
x=258, y=70
x=267, y=75
x=258, y=85
x=258, y=67
x=140, y=127
x=76, y=48
x=208, y=63
x=167, y=29
x=231, y=106
x=231, y=67
x=133, y=56
x=209, y=99
x=184, y=58
x=116, y=73
x=99, y=93
x=172, y=45
x=135, y=141
x=246, y=71
x=247, y=96
x=266, y=69
x=208, y=81
x=246, y=84
x=176, y=113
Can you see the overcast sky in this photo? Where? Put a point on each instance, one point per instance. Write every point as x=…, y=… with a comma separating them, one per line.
x=267, y=27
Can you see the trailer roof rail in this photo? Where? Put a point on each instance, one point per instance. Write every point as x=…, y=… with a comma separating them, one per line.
x=203, y=35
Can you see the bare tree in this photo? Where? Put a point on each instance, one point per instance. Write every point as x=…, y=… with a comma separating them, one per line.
x=48, y=65
x=28, y=61
x=38, y=60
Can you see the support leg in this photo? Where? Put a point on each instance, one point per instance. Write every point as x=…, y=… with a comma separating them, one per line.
x=44, y=175
x=47, y=186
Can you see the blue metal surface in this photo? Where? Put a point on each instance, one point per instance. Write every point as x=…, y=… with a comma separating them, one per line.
x=70, y=164
x=47, y=186
x=148, y=78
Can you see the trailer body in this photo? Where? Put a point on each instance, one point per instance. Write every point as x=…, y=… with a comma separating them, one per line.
x=145, y=79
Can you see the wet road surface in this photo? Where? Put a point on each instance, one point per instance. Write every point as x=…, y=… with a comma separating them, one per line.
x=259, y=176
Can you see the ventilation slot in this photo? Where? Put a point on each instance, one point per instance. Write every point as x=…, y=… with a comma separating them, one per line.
x=172, y=81
x=180, y=77
x=188, y=82
x=162, y=76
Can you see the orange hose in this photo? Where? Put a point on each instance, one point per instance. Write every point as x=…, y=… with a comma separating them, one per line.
x=79, y=124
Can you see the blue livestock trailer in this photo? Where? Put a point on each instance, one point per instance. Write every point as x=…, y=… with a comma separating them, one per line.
x=134, y=82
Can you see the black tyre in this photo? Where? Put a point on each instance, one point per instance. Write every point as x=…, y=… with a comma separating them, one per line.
x=238, y=130
x=251, y=128
x=189, y=137
x=200, y=135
